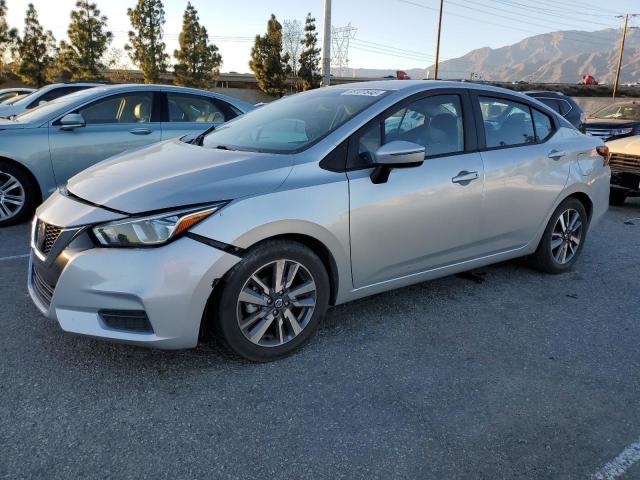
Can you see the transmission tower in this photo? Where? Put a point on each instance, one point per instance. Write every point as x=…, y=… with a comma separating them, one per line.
x=340, y=37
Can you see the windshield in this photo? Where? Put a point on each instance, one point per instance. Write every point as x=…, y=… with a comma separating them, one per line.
x=43, y=111
x=619, y=111
x=293, y=123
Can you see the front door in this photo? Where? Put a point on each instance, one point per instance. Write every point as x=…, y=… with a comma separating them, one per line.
x=113, y=125
x=422, y=217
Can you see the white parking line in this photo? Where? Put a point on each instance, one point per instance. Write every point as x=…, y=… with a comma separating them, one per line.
x=620, y=464
x=13, y=257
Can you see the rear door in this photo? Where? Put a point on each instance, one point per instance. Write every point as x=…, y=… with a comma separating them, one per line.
x=189, y=113
x=114, y=124
x=422, y=217
x=526, y=167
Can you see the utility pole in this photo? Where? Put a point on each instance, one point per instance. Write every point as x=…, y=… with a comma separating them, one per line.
x=624, y=34
x=435, y=75
x=326, y=45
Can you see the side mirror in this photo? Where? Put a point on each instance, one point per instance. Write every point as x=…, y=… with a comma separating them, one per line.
x=396, y=154
x=71, y=121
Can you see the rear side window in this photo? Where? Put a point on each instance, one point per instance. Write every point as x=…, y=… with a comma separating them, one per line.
x=551, y=103
x=506, y=122
x=565, y=107
x=543, y=126
x=55, y=93
x=122, y=108
x=196, y=108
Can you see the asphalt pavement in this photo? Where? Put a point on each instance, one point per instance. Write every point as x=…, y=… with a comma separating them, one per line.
x=504, y=374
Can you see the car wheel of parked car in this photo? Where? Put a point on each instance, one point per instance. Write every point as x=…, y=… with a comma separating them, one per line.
x=17, y=195
x=563, y=238
x=273, y=300
x=617, y=197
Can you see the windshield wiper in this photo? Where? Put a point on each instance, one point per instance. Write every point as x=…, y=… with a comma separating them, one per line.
x=224, y=147
x=200, y=138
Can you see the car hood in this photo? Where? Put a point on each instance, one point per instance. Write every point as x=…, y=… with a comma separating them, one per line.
x=8, y=110
x=6, y=124
x=629, y=145
x=174, y=174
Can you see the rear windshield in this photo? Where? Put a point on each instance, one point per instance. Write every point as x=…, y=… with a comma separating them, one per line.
x=619, y=111
x=293, y=123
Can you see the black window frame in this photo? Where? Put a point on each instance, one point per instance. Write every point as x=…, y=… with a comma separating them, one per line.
x=482, y=145
x=227, y=109
x=468, y=122
x=155, y=111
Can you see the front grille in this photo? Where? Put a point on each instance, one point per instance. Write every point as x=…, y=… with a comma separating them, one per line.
x=127, y=320
x=622, y=162
x=43, y=290
x=46, y=236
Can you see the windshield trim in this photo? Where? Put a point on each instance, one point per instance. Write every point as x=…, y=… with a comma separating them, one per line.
x=307, y=146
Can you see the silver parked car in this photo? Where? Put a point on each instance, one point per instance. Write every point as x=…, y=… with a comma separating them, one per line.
x=313, y=200
x=11, y=93
x=43, y=147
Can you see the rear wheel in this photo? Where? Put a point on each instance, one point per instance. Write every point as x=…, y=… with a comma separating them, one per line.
x=272, y=301
x=17, y=195
x=617, y=197
x=563, y=239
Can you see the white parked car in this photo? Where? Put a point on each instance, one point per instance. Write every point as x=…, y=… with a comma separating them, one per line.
x=625, y=169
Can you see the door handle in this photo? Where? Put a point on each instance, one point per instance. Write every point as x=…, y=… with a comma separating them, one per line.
x=140, y=131
x=465, y=178
x=556, y=154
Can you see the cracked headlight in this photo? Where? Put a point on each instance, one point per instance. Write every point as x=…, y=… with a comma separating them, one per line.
x=152, y=230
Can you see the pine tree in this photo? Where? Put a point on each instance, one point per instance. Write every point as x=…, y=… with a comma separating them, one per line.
x=267, y=62
x=7, y=35
x=310, y=56
x=146, y=48
x=198, y=61
x=36, y=50
x=88, y=41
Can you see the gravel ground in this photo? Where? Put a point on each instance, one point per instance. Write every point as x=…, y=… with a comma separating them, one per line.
x=505, y=374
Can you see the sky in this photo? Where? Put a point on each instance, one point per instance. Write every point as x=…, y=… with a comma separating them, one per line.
x=394, y=34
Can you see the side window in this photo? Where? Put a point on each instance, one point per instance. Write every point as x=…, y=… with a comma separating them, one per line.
x=53, y=94
x=434, y=122
x=565, y=107
x=123, y=108
x=195, y=108
x=544, y=127
x=506, y=122
x=552, y=103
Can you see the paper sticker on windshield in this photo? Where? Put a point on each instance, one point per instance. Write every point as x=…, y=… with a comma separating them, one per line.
x=366, y=92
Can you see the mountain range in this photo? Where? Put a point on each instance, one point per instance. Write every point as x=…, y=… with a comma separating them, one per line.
x=556, y=57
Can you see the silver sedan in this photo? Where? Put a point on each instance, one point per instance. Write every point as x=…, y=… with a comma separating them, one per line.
x=43, y=147
x=314, y=200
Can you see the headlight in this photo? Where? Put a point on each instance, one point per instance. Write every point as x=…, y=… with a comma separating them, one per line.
x=153, y=230
x=621, y=131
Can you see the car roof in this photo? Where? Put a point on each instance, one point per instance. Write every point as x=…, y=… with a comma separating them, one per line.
x=546, y=92
x=410, y=86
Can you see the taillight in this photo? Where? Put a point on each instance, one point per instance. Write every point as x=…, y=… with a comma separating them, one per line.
x=604, y=153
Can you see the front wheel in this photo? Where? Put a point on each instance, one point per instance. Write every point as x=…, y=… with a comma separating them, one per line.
x=17, y=195
x=272, y=301
x=563, y=238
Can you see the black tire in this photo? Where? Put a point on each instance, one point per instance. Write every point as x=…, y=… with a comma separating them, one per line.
x=227, y=311
x=617, y=197
x=30, y=194
x=543, y=259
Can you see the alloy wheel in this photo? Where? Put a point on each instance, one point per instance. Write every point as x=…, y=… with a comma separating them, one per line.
x=12, y=196
x=276, y=303
x=566, y=236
